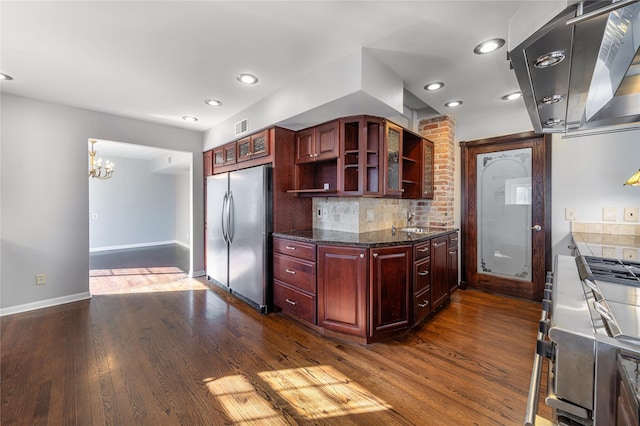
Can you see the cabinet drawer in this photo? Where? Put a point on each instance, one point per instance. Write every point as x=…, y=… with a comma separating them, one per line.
x=295, y=248
x=296, y=302
x=421, y=305
x=422, y=275
x=421, y=250
x=453, y=239
x=297, y=272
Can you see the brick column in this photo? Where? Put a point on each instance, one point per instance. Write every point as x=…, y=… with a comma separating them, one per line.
x=440, y=210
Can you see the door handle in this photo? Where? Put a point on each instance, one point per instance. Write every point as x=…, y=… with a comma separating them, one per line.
x=536, y=228
x=231, y=228
x=224, y=212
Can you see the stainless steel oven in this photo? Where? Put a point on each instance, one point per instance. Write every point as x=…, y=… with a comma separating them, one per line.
x=591, y=313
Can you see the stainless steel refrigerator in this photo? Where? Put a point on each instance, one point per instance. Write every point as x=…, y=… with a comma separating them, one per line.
x=239, y=225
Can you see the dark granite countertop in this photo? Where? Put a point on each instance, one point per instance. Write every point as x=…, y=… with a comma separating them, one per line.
x=365, y=239
x=629, y=369
x=607, y=245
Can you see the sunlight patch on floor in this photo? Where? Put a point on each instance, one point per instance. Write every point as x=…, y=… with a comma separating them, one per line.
x=141, y=280
x=314, y=392
x=242, y=402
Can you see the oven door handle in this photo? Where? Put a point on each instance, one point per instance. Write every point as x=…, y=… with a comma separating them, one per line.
x=536, y=375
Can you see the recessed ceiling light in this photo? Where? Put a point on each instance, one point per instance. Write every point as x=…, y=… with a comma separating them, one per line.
x=4, y=76
x=551, y=99
x=212, y=102
x=453, y=104
x=512, y=96
x=549, y=59
x=190, y=118
x=488, y=46
x=247, y=78
x=434, y=86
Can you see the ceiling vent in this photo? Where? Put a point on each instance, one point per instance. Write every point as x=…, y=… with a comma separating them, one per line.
x=242, y=126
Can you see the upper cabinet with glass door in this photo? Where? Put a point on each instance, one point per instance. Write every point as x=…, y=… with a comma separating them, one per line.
x=392, y=160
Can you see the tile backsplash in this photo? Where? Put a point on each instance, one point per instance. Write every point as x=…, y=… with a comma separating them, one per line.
x=606, y=228
x=360, y=214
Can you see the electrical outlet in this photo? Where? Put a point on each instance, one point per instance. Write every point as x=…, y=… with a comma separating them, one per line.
x=319, y=212
x=631, y=214
x=370, y=215
x=569, y=214
x=630, y=254
x=609, y=252
x=609, y=213
x=41, y=279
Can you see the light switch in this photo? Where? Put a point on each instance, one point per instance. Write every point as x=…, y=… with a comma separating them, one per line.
x=569, y=214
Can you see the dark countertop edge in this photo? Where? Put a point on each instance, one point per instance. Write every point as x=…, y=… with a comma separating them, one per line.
x=386, y=238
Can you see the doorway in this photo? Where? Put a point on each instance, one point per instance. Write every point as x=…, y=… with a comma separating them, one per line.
x=506, y=214
x=140, y=219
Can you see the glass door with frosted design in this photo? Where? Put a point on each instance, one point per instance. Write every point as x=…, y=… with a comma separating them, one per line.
x=504, y=214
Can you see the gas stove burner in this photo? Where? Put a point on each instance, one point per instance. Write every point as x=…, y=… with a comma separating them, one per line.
x=614, y=270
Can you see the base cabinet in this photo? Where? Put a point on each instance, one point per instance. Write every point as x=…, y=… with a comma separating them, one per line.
x=439, y=273
x=342, y=289
x=391, y=274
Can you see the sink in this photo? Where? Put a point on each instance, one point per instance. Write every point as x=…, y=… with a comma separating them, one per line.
x=416, y=230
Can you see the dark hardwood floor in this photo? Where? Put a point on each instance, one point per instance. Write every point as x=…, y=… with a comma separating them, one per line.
x=201, y=357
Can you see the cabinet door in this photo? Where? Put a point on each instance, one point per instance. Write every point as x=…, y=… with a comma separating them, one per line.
x=244, y=149
x=439, y=271
x=452, y=266
x=260, y=144
x=342, y=289
x=390, y=289
x=218, y=157
x=326, y=141
x=392, y=160
x=427, y=169
x=305, y=146
x=230, y=154
x=207, y=164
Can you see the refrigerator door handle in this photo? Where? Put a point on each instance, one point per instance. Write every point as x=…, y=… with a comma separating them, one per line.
x=231, y=222
x=225, y=200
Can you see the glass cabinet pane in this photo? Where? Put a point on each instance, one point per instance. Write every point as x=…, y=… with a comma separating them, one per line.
x=244, y=148
x=259, y=144
x=427, y=161
x=218, y=158
x=393, y=159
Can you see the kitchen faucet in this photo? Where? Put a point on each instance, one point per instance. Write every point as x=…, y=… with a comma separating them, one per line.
x=410, y=216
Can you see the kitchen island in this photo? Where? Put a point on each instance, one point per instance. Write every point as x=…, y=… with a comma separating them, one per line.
x=364, y=286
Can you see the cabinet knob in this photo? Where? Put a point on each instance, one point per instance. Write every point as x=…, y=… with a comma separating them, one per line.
x=361, y=256
x=375, y=254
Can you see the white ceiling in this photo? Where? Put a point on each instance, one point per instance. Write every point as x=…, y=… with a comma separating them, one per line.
x=159, y=61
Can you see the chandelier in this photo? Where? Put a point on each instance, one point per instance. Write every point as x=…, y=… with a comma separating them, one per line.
x=96, y=170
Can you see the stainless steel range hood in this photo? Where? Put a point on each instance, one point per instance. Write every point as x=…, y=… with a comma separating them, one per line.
x=583, y=75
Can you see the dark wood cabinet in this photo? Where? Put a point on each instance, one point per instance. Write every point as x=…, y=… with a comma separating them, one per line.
x=253, y=146
x=294, y=278
x=439, y=272
x=342, y=289
x=390, y=270
x=452, y=261
x=428, y=156
x=317, y=143
x=421, y=281
x=207, y=163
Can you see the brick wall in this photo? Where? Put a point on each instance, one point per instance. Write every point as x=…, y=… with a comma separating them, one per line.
x=440, y=210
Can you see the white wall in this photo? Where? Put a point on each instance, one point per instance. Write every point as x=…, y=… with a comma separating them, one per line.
x=183, y=208
x=588, y=173
x=136, y=206
x=45, y=195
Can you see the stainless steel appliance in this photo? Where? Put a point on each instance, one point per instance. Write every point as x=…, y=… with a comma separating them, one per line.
x=580, y=70
x=239, y=225
x=591, y=315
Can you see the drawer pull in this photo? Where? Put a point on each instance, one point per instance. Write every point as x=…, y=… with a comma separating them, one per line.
x=290, y=248
x=424, y=304
x=289, y=271
x=423, y=273
x=440, y=244
x=291, y=302
x=422, y=250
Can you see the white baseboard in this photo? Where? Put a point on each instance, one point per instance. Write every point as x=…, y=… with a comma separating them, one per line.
x=139, y=245
x=45, y=303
